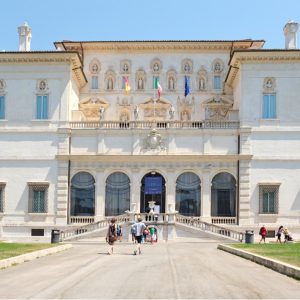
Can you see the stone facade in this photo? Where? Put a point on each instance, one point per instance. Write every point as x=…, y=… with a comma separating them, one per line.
x=94, y=125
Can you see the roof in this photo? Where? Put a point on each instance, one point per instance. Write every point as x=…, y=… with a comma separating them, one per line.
x=159, y=45
x=259, y=56
x=70, y=57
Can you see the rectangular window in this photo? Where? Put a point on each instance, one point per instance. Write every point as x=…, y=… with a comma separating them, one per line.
x=42, y=107
x=94, y=82
x=268, y=198
x=217, y=82
x=155, y=79
x=269, y=106
x=37, y=232
x=2, y=186
x=38, y=198
x=2, y=107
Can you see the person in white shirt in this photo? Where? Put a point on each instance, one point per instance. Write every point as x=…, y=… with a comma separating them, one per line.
x=140, y=226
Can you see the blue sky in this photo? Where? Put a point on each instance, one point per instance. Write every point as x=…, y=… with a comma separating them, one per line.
x=56, y=20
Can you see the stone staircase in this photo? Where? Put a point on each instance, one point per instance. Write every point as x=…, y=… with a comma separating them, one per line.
x=166, y=225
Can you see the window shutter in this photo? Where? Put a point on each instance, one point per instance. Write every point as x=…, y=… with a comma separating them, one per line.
x=2, y=107
x=45, y=107
x=272, y=106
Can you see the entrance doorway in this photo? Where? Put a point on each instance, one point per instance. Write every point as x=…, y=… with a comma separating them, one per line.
x=153, y=189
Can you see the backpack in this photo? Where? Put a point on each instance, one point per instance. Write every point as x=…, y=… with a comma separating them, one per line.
x=133, y=229
x=112, y=234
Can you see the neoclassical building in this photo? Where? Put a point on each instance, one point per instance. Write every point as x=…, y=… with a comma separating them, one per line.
x=93, y=129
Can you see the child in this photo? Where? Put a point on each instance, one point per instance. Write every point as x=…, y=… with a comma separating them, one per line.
x=263, y=232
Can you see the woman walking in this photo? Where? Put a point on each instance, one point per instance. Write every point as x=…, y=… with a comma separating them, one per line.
x=278, y=234
x=111, y=236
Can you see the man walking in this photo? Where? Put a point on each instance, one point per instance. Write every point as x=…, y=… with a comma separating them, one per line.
x=140, y=226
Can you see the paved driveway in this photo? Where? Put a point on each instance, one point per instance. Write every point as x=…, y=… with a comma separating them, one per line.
x=187, y=268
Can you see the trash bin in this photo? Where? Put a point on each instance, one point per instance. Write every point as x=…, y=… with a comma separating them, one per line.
x=55, y=236
x=249, y=237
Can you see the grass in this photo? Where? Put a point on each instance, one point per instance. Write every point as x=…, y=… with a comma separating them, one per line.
x=8, y=250
x=285, y=252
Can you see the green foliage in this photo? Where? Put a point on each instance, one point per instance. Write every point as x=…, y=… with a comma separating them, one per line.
x=285, y=252
x=13, y=249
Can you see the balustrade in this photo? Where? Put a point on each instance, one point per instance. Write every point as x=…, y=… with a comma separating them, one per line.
x=154, y=124
x=153, y=218
x=224, y=220
x=197, y=223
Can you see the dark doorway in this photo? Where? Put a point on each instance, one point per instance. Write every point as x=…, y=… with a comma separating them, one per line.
x=224, y=203
x=153, y=189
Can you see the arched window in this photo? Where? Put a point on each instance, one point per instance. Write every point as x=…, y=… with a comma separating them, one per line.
x=83, y=195
x=223, y=195
x=117, y=194
x=188, y=194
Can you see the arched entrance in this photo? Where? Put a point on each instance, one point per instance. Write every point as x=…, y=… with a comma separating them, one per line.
x=223, y=195
x=117, y=194
x=153, y=189
x=83, y=195
x=188, y=194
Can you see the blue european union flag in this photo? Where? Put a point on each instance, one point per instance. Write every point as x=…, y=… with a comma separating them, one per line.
x=186, y=86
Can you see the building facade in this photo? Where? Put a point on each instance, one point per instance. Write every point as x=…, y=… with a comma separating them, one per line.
x=210, y=129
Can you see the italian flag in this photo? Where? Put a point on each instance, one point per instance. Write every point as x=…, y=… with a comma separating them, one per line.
x=158, y=87
x=127, y=86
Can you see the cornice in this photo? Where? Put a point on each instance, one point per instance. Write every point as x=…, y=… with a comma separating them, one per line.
x=262, y=56
x=156, y=158
x=47, y=57
x=157, y=46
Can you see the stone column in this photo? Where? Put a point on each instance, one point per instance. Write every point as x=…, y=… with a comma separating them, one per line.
x=135, y=190
x=206, y=196
x=100, y=195
x=170, y=192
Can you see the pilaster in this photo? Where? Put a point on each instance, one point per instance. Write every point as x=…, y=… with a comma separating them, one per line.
x=245, y=209
x=170, y=192
x=135, y=188
x=62, y=193
x=100, y=194
x=206, y=196
x=245, y=141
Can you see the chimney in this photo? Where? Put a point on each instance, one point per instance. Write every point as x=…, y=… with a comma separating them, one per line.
x=24, y=37
x=290, y=32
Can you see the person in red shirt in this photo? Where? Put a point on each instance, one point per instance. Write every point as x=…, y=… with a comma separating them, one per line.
x=263, y=232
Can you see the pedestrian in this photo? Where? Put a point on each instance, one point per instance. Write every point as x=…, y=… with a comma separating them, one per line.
x=287, y=236
x=263, y=232
x=133, y=232
x=119, y=232
x=152, y=234
x=279, y=233
x=145, y=234
x=140, y=226
x=111, y=236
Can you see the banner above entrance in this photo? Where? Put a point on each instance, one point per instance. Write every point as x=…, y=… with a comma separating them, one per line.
x=153, y=185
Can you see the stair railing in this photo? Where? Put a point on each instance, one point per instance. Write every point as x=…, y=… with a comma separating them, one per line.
x=80, y=231
x=197, y=223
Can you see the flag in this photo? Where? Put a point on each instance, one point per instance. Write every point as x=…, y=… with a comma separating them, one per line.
x=158, y=87
x=127, y=86
x=186, y=86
